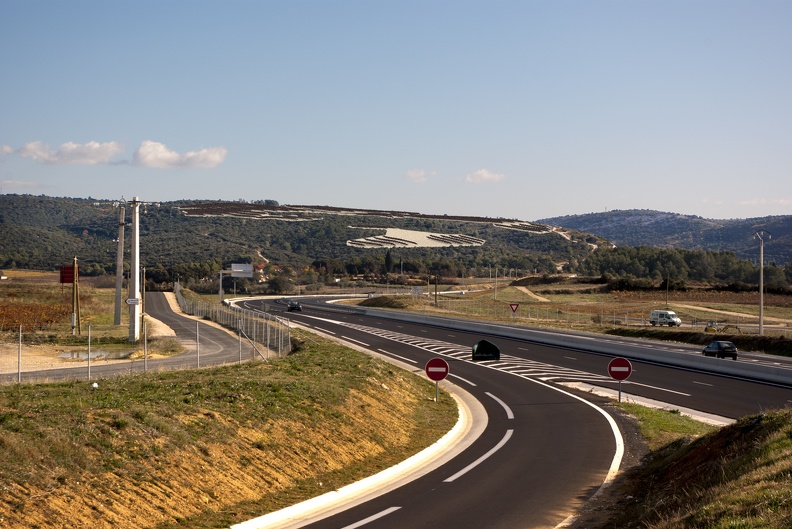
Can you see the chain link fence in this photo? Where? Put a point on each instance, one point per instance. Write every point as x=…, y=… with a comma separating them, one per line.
x=272, y=333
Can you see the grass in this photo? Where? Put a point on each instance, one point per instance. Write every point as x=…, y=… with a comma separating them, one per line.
x=661, y=427
x=55, y=438
x=737, y=476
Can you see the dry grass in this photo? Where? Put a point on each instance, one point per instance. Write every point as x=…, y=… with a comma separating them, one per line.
x=737, y=476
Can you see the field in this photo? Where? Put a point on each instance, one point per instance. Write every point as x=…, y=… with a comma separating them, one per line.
x=588, y=308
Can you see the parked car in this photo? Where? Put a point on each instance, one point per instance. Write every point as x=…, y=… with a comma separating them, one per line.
x=294, y=305
x=721, y=349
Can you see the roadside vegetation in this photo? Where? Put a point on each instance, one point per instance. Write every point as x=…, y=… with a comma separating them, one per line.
x=736, y=476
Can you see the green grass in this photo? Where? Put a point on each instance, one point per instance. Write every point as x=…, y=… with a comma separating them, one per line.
x=660, y=427
x=730, y=477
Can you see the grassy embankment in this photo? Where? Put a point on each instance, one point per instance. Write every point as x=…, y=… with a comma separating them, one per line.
x=208, y=447
x=737, y=476
x=204, y=448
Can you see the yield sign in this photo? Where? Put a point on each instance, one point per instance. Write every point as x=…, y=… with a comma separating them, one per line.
x=619, y=368
x=436, y=369
x=514, y=307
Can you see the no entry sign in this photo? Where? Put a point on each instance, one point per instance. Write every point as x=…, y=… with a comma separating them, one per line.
x=436, y=369
x=619, y=368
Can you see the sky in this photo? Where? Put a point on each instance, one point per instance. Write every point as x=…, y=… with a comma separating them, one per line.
x=516, y=109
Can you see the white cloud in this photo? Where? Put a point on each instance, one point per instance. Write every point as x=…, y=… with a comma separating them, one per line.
x=155, y=154
x=418, y=176
x=90, y=153
x=484, y=175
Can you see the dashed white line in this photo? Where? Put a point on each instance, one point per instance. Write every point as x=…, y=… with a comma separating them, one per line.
x=371, y=518
x=463, y=380
x=364, y=344
x=397, y=356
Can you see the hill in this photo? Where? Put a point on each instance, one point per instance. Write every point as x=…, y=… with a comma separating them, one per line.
x=641, y=227
x=192, y=237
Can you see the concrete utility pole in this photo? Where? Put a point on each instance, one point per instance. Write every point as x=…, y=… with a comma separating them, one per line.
x=119, y=266
x=760, y=235
x=133, y=297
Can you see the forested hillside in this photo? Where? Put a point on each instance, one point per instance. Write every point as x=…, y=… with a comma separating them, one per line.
x=195, y=239
x=639, y=227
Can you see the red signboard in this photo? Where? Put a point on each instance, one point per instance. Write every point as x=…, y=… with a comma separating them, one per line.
x=436, y=369
x=619, y=368
x=514, y=307
x=67, y=274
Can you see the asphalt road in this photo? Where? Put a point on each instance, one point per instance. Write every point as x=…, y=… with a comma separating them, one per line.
x=543, y=453
x=554, y=450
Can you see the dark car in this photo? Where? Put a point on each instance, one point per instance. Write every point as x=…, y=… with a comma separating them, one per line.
x=485, y=350
x=721, y=349
x=294, y=305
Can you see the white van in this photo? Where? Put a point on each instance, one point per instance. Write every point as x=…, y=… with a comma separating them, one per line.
x=664, y=317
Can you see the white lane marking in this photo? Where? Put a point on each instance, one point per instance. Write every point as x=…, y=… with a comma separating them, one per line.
x=480, y=460
x=509, y=413
x=364, y=344
x=659, y=389
x=397, y=356
x=570, y=358
x=371, y=518
x=702, y=383
x=463, y=380
x=325, y=330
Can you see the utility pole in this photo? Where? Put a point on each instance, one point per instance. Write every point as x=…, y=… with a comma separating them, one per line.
x=760, y=235
x=133, y=296
x=119, y=265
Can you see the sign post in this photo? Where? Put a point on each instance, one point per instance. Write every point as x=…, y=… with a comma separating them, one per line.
x=619, y=369
x=514, y=307
x=436, y=369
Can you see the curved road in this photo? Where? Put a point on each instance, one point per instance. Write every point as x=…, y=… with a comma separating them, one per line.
x=543, y=453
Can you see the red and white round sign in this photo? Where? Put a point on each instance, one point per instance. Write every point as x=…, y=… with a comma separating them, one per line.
x=436, y=369
x=619, y=368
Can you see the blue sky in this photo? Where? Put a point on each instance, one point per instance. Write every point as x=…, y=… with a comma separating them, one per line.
x=526, y=110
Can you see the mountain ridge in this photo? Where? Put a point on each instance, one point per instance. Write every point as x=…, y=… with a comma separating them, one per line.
x=643, y=227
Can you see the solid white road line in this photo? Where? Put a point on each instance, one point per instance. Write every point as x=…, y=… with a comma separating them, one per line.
x=480, y=460
x=509, y=413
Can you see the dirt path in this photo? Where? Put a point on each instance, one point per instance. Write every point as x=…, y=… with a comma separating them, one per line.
x=730, y=313
x=536, y=297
